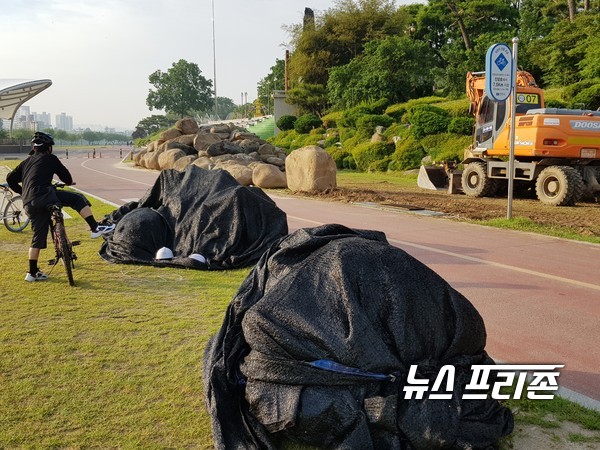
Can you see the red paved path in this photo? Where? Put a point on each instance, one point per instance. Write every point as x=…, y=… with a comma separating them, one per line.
x=539, y=296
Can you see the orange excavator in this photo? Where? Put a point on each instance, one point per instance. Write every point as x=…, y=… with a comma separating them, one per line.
x=557, y=151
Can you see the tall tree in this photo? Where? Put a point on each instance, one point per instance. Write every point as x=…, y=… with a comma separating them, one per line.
x=155, y=123
x=568, y=49
x=395, y=68
x=310, y=98
x=274, y=81
x=180, y=89
x=572, y=10
x=340, y=35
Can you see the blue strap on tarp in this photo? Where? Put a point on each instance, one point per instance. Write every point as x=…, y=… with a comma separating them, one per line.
x=333, y=366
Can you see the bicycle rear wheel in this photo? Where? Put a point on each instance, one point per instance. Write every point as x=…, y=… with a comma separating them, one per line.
x=65, y=251
x=15, y=218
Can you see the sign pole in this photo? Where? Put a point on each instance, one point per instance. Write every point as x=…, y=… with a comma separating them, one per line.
x=513, y=121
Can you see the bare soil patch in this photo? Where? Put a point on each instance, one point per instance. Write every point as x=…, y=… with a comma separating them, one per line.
x=582, y=218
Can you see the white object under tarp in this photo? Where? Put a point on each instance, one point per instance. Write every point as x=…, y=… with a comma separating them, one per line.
x=13, y=93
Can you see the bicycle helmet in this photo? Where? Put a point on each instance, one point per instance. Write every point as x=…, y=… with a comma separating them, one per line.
x=164, y=253
x=42, y=140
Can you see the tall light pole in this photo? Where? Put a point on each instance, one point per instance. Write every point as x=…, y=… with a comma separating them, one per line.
x=214, y=59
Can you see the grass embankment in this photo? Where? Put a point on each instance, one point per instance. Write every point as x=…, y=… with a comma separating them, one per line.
x=115, y=362
x=264, y=129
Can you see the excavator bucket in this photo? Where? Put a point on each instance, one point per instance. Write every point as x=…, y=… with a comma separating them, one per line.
x=440, y=178
x=433, y=178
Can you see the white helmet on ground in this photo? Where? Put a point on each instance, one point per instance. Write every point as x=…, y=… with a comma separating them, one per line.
x=164, y=253
x=198, y=257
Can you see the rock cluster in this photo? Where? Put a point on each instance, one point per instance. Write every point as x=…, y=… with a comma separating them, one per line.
x=248, y=158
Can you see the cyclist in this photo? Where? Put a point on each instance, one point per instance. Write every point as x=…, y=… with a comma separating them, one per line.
x=35, y=174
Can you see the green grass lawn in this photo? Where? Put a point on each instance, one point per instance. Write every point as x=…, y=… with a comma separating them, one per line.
x=114, y=361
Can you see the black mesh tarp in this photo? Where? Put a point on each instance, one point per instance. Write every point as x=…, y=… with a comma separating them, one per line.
x=349, y=298
x=206, y=212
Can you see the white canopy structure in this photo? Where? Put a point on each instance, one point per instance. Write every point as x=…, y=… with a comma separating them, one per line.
x=13, y=93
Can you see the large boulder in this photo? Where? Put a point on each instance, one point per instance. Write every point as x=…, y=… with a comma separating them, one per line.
x=204, y=162
x=242, y=174
x=203, y=141
x=187, y=126
x=182, y=163
x=268, y=176
x=249, y=145
x=138, y=157
x=187, y=139
x=310, y=169
x=188, y=150
x=167, y=159
x=151, y=158
x=169, y=134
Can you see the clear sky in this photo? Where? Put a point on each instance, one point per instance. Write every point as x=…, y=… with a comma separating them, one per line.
x=99, y=53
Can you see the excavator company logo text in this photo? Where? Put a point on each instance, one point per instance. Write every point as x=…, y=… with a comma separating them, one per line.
x=488, y=381
x=585, y=125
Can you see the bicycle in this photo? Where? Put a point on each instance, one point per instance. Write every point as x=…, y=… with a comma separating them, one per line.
x=11, y=210
x=62, y=244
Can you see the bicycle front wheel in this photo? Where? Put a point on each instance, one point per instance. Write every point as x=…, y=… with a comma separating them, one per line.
x=15, y=218
x=65, y=251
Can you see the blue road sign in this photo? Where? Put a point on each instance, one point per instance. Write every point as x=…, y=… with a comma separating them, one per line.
x=498, y=72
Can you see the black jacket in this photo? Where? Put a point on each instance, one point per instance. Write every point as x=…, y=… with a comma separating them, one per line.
x=36, y=173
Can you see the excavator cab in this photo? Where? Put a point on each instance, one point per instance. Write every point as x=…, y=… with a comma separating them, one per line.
x=490, y=120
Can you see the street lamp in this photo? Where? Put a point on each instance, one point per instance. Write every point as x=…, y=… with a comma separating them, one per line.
x=214, y=59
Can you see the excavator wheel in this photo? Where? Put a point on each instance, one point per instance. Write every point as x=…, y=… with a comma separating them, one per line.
x=476, y=183
x=559, y=186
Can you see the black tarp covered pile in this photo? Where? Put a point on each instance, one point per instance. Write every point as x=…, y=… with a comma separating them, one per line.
x=370, y=310
x=197, y=211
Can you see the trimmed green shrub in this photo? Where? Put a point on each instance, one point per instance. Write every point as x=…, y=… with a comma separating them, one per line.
x=396, y=129
x=307, y=122
x=380, y=165
x=338, y=154
x=350, y=116
x=284, y=139
x=349, y=163
x=319, y=131
x=461, y=125
x=396, y=111
x=408, y=155
x=331, y=120
x=302, y=140
x=428, y=119
x=456, y=108
x=556, y=104
x=378, y=107
x=445, y=146
x=572, y=90
x=331, y=141
x=350, y=143
x=346, y=133
x=366, y=124
x=285, y=123
x=368, y=152
x=590, y=97
x=399, y=109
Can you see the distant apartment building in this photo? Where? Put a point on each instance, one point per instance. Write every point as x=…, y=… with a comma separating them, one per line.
x=64, y=122
x=43, y=120
x=27, y=120
x=23, y=119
